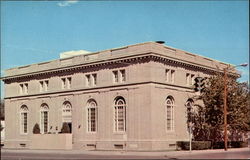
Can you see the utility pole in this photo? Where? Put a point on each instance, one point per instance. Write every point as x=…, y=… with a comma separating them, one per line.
x=225, y=102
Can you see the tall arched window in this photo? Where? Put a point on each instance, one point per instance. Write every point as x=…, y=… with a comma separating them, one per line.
x=67, y=114
x=44, y=118
x=24, y=119
x=120, y=115
x=190, y=110
x=170, y=113
x=92, y=116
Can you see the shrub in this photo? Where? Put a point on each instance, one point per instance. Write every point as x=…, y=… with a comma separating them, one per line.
x=196, y=145
x=36, y=129
x=65, y=128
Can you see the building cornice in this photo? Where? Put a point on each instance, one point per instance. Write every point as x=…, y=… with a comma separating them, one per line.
x=150, y=56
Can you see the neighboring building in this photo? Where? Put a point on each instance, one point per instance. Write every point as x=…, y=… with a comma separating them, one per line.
x=131, y=98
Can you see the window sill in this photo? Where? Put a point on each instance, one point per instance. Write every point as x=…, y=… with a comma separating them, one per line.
x=119, y=132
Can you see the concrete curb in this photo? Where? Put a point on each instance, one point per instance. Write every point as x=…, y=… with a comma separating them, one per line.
x=130, y=153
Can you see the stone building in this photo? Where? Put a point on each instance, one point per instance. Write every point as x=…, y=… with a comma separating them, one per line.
x=130, y=98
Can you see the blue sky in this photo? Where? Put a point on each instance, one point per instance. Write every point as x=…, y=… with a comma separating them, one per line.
x=33, y=32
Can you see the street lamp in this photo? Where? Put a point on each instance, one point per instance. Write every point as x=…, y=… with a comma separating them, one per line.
x=225, y=102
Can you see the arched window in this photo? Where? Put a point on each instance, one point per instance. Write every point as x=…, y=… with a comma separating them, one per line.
x=190, y=110
x=120, y=115
x=44, y=118
x=24, y=119
x=170, y=113
x=91, y=116
x=67, y=114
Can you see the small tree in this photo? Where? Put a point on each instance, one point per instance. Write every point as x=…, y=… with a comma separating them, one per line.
x=209, y=122
x=36, y=129
x=65, y=128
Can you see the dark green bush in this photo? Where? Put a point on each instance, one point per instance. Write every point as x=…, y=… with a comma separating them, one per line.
x=65, y=128
x=231, y=144
x=196, y=145
x=36, y=129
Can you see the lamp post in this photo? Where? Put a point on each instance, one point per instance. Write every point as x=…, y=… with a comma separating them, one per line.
x=225, y=103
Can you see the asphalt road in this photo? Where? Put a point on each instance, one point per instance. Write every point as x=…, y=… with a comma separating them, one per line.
x=71, y=155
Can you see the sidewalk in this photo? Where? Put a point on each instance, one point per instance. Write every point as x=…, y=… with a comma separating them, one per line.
x=130, y=153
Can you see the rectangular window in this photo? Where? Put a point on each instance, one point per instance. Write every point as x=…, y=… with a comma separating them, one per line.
x=94, y=77
x=172, y=76
x=21, y=88
x=44, y=121
x=92, y=119
x=187, y=78
x=123, y=75
x=24, y=126
x=46, y=85
x=88, y=82
x=167, y=79
x=26, y=88
x=192, y=79
x=41, y=86
x=69, y=82
x=63, y=83
x=115, y=76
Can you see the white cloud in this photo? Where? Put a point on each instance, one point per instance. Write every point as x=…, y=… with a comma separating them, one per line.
x=66, y=3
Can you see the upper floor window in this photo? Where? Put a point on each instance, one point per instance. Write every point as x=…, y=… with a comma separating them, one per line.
x=115, y=76
x=91, y=79
x=23, y=88
x=120, y=115
x=169, y=114
x=119, y=76
x=44, y=118
x=169, y=75
x=66, y=83
x=189, y=79
x=92, y=116
x=44, y=85
x=24, y=119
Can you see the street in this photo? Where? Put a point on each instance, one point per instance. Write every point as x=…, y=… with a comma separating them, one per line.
x=7, y=154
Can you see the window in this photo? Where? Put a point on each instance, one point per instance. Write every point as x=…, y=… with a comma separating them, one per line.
x=69, y=82
x=44, y=85
x=41, y=86
x=63, y=83
x=120, y=115
x=44, y=118
x=88, y=80
x=119, y=76
x=190, y=111
x=92, y=116
x=67, y=114
x=169, y=75
x=170, y=114
x=91, y=80
x=115, y=76
x=24, y=119
x=192, y=79
x=189, y=79
x=23, y=88
x=172, y=76
x=94, y=77
x=123, y=75
x=66, y=83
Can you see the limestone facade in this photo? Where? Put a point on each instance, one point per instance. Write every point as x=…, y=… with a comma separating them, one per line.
x=130, y=98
